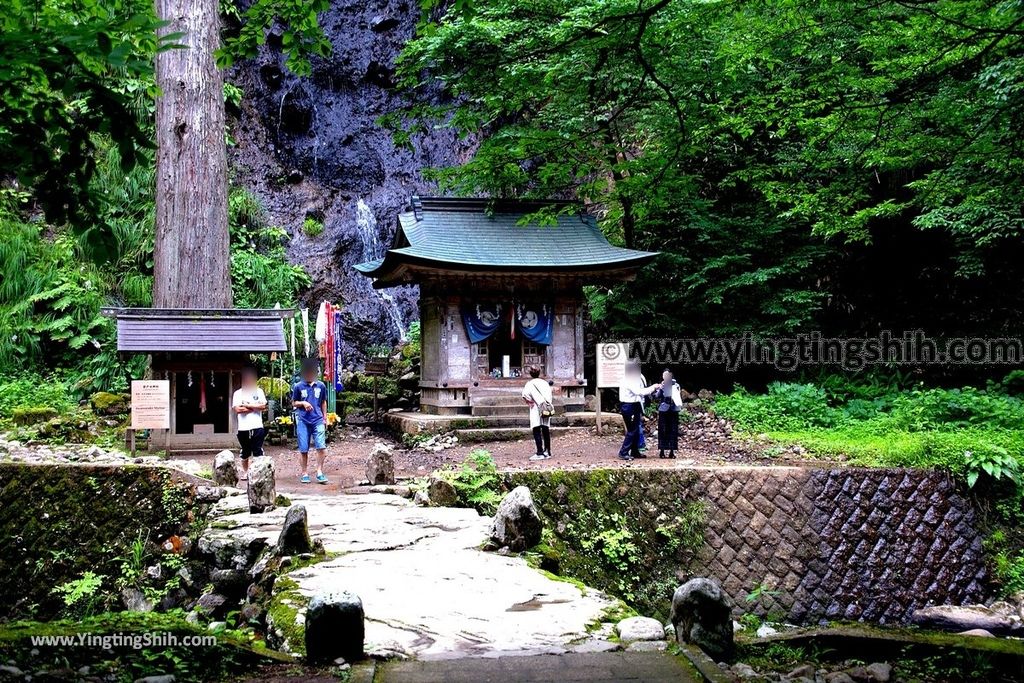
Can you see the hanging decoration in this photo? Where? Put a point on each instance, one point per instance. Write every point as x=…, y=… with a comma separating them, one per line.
x=202, y=393
x=305, y=333
x=481, y=320
x=536, y=322
x=292, y=337
x=338, y=385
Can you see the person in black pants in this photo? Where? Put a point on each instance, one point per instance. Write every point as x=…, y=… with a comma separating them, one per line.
x=669, y=397
x=631, y=395
x=249, y=402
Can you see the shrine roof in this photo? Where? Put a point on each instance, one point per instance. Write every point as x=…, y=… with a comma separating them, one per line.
x=481, y=235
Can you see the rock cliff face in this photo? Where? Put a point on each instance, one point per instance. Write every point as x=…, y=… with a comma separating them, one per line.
x=311, y=148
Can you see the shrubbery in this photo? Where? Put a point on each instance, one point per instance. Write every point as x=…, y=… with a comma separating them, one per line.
x=887, y=425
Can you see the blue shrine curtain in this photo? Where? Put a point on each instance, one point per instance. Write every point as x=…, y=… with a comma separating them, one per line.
x=481, y=320
x=536, y=322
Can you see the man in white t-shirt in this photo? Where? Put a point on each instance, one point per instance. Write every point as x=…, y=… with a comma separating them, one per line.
x=537, y=394
x=249, y=402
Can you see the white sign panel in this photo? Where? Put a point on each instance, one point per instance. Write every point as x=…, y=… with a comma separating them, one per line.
x=151, y=404
x=611, y=363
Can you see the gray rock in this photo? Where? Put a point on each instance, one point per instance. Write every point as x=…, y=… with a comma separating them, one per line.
x=8, y=670
x=977, y=632
x=421, y=498
x=334, y=627
x=596, y=645
x=224, y=472
x=262, y=488
x=640, y=628
x=802, y=671
x=209, y=494
x=516, y=523
x=744, y=671
x=873, y=673
x=228, y=580
x=968, y=617
x=701, y=615
x=647, y=646
x=166, y=678
x=838, y=677
x=294, y=538
x=211, y=604
x=134, y=600
x=228, y=549
x=380, y=466
x=441, y=493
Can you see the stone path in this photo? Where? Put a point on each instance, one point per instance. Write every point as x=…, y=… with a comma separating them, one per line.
x=427, y=590
x=605, y=667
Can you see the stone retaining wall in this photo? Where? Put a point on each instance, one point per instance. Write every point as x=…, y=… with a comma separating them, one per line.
x=866, y=544
x=810, y=544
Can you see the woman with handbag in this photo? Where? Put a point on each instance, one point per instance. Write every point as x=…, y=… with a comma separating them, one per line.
x=670, y=401
x=537, y=394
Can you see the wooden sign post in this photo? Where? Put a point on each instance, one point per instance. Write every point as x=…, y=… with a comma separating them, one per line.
x=375, y=368
x=151, y=406
x=611, y=368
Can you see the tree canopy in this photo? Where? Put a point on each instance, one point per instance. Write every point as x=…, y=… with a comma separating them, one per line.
x=758, y=144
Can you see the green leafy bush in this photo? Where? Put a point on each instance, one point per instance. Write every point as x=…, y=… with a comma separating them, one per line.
x=29, y=390
x=476, y=481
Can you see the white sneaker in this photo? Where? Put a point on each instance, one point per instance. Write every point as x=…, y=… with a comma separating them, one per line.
x=539, y=456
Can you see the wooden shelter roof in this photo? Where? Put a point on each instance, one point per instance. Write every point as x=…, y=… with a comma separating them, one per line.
x=154, y=330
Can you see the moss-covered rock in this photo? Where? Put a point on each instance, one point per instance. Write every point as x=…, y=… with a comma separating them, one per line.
x=34, y=415
x=106, y=403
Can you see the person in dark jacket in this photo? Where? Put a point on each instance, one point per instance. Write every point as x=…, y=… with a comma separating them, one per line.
x=670, y=401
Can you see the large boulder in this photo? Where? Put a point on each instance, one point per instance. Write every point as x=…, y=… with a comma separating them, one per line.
x=294, y=538
x=262, y=489
x=702, y=615
x=334, y=627
x=640, y=628
x=224, y=472
x=516, y=523
x=380, y=466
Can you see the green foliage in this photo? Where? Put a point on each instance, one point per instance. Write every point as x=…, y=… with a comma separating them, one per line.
x=301, y=37
x=30, y=390
x=760, y=147
x=260, y=273
x=476, y=481
x=994, y=461
x=967, y=431
x=69, y=71
x=81, y=595
x=312, y=227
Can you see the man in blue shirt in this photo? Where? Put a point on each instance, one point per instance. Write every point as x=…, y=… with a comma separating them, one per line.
x=309, y=399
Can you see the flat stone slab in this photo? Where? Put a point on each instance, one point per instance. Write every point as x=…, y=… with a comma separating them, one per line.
x=650, y=667
x=427, y=589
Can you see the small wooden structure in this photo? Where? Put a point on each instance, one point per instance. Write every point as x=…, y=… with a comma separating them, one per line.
x=498, y=294
x=201, y=353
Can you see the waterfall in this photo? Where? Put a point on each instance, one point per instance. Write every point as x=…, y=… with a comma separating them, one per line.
x=366, y=224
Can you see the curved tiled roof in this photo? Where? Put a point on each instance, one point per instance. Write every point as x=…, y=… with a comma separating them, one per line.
x=481, y=235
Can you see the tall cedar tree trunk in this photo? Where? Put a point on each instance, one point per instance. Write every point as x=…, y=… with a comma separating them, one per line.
x=192, y=264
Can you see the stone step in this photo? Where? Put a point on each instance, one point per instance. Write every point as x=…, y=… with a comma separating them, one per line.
x=519, y=409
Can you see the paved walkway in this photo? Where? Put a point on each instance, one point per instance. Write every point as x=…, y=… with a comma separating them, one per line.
x=608, y=667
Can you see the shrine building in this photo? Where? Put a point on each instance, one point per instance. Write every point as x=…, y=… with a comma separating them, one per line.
x=499, y=293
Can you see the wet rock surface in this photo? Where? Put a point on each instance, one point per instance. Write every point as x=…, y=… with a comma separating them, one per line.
x=312, y=147
x=701, y=615
x=426, y=588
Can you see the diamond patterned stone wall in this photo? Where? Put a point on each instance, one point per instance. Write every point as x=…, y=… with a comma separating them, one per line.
x=826, y=544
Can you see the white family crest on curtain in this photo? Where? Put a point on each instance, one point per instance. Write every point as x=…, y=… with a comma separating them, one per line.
x=481, y=321
x=536, y=321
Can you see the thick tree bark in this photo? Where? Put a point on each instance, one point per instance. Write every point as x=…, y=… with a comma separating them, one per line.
x=192, y=265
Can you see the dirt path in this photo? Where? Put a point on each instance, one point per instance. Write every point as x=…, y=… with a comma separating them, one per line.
x=704, y=440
